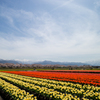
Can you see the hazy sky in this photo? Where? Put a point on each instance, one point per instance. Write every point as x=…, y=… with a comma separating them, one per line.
x=56, y=30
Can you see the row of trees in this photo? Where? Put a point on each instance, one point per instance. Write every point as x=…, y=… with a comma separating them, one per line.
x=37, y=66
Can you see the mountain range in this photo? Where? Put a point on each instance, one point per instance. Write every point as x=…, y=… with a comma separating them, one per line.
x=93, y=63
x=61, y=63
x=8, y=61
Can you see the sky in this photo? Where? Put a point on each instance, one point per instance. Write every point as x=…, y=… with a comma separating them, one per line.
x=55, y=30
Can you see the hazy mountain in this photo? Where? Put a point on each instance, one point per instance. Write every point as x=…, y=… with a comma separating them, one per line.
x=8, y=61
x=16, y=61
x=61, y=63
x=94, y=63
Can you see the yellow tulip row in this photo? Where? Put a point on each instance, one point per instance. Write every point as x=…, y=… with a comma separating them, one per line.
x=50, y=93
x=15, y=92
x=83, y=91
x=68, y=84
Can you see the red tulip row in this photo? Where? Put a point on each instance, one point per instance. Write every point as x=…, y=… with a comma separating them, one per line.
x=74, y=71
x=83, y=78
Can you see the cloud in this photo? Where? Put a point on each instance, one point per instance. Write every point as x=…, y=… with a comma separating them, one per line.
x=45, y=35
x=62, y=3
x=16, y=19
x=97, y=3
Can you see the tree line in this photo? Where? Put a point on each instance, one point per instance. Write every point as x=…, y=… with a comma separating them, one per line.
x=40, y=66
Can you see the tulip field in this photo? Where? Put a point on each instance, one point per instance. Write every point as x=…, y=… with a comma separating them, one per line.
x=50, y=85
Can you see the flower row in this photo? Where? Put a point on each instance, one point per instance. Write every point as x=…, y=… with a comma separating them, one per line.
x=83, y=78
x=14, y=92
x=83, y=91
x=50, y=93
x=67, y=89
x=52, y=83
x=73, y=71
